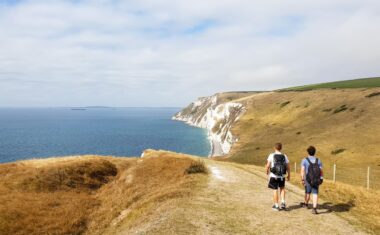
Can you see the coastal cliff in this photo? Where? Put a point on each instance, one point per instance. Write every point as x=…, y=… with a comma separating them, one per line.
x=216, y=114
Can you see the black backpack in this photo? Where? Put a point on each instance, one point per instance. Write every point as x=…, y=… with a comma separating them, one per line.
x=313, y=176
x=279, y=165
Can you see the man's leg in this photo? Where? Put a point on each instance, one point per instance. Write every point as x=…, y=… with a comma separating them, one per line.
x=282, y=192
x=275, y=197
x=307, y=198
x=315, y=200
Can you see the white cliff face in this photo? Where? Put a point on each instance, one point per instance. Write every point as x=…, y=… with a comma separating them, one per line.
x=216, y=118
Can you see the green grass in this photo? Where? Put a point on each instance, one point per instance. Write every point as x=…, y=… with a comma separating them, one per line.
x=357, y=83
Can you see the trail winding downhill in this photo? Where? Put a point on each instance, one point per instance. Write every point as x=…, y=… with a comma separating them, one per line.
x=235, y=200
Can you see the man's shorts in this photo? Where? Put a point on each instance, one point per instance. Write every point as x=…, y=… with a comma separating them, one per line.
x=309, y=189
x=275, y=183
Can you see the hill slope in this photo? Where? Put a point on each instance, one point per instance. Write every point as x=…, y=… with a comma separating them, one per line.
x=341, y=123
x=88, y=194
x=356, y=83
x=157, y=195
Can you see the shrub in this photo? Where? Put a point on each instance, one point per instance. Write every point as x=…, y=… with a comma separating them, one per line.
x=284, y=104
x=298, y=133
x=197, y=167
x=373, y=94
x=326, y=110
x=337, y=151
x=340, y=109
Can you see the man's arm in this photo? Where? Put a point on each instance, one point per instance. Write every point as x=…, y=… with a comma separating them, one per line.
x=321, y=176
x=303, y=174
x=288, y=170
x=320, y=167
x=267, y=167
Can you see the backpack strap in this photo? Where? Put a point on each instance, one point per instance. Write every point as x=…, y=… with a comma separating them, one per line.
x=316, y=161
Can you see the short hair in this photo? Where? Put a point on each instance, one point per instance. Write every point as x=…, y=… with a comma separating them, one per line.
x=278, y=146
x=311, y=150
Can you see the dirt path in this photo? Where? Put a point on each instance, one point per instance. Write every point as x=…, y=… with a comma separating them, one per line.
x=235, y=201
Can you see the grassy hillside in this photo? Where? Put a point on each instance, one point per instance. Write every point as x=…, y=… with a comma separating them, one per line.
x=357, y=83
x=89, y=194
x=343, y=124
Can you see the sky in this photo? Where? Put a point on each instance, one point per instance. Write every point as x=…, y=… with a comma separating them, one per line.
x=161, y=53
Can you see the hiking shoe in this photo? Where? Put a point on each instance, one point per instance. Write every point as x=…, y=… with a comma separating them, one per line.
x=283, y=206
x=303, y=205
x=275, y=208
x=314, y=211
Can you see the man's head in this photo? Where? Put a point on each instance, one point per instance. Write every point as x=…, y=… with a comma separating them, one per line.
x=278, y=146
x=311, y=150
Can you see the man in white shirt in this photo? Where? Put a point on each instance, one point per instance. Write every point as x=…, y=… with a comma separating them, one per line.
x=277, y=166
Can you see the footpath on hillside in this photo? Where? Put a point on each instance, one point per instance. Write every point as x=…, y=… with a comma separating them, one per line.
x=235, y=201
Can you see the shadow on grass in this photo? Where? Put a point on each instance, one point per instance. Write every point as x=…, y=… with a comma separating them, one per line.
x=340, y=207
x=327, y=207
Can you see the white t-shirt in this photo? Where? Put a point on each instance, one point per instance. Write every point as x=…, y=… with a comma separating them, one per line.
x=270, y=159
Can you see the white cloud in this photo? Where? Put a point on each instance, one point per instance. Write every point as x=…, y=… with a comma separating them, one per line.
x=166, y=53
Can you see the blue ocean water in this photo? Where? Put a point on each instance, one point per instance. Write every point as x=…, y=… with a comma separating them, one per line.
x=45, y=132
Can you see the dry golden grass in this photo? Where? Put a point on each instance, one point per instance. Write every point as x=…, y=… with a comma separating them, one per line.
x=305, y=121
x=353, y=203
x=331, y=120
x=359, y=203
x=88, y=194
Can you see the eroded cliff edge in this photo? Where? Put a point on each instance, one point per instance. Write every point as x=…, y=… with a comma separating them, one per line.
x=217, y=114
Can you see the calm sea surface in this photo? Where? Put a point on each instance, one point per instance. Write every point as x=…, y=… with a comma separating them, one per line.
x=46, y=132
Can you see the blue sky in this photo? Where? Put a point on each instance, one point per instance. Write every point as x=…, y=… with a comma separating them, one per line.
x=167, y=53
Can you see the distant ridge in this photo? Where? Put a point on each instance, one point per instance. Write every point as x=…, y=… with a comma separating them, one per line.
x=355, y=83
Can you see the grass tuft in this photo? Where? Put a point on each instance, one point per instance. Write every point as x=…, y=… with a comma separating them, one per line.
x=284, y=104
x=340, y=109
x=373, y=94
x=197, y=167
x=337, y=151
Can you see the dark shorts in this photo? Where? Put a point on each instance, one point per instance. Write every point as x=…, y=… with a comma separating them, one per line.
x=275, y=183
x=311, y=190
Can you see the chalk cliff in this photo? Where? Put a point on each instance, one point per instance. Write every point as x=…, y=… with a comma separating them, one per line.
x=217, y=117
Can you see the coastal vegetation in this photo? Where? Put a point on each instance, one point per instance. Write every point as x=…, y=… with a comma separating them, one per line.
x=165, y=192
x=90, y=194
x=355, y=83
x=264, y=123
x=345, y=133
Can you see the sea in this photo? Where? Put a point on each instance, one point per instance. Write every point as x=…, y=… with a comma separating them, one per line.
x=27, y=133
